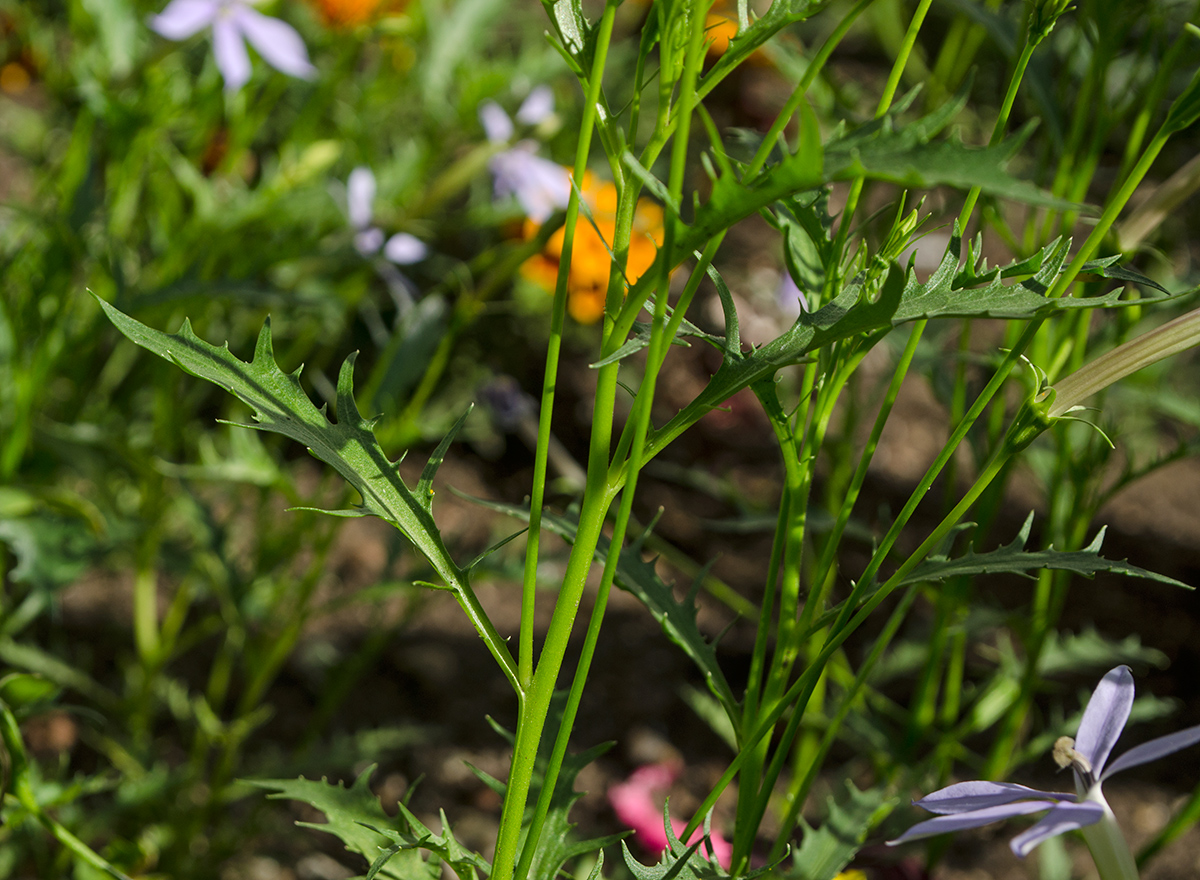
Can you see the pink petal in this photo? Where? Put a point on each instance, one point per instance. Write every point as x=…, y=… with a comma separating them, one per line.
x=230, y=53
x=276, y=41
x=182, y=18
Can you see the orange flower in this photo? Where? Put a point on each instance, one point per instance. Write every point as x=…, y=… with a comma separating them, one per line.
x=587, y=284
x=347, y=13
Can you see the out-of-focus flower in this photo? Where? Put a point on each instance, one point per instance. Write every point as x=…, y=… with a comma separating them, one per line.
x=346, y=13
x=638, y=804
x=719, y=29
x=972, y=804
x=591, y=259
x=14, y=78
x=791, y=298
x=234, y=24
x=540, y=186
x=402, y=248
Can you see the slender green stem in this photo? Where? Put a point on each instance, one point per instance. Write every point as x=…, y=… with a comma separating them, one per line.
x=537, y=694
x=550, y=378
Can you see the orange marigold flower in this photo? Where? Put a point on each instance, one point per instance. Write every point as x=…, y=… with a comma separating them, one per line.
x=587, y=284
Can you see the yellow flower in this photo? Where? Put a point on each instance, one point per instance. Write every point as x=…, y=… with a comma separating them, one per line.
x=587, y=284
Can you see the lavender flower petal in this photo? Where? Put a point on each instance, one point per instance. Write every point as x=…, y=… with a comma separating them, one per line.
x=536, y=107
x=496, y=124
x=541, y=186
x=360, y=196
x=369, y=241
x=973, y=819
x=1063, y=818
x=230, y=52
x=276, y=41
x=791, y=299
x=183, y=18
x=404, y=249
x=1105, y=717
x=963, y=797
x=1154, y=749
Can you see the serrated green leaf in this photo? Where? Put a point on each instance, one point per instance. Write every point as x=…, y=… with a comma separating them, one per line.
x=1107, y=267
x=279, y=404
x=417, y=836
x=424, y=491
x=731, y=344
x=1090, y=651
x=901, y=299
x=825, y=851
x=351, y=813
x=1013, y=558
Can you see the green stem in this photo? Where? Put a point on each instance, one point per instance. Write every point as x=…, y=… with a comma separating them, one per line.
x=550, y=377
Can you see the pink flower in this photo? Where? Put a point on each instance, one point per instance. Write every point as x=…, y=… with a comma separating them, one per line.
x=638, y=804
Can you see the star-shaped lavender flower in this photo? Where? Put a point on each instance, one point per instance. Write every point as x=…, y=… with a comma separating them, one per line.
x=402, y=249
x=972, y=804
x=234, y=23
x=539, y=185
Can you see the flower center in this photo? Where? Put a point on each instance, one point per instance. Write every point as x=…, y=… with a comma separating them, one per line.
x=1065, y=755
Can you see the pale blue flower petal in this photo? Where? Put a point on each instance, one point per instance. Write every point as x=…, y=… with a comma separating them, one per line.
x=1153, y=750
x=183, y=18
x=404, y=249
x=973, y=819
x=536, y=107
x=963, y=797
x=496, y=124
x=791, y=299
x=1105, y=717
x=369, y=241
x=541, y=186
x=276, y=41
x=360, y=197
x=1063, y=818
x=230, y=52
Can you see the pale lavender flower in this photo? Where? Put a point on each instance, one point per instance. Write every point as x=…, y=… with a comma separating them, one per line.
x=791, y=298
x=402, y=248
x=540, y=186
x=972, y=804
x=233, y=24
